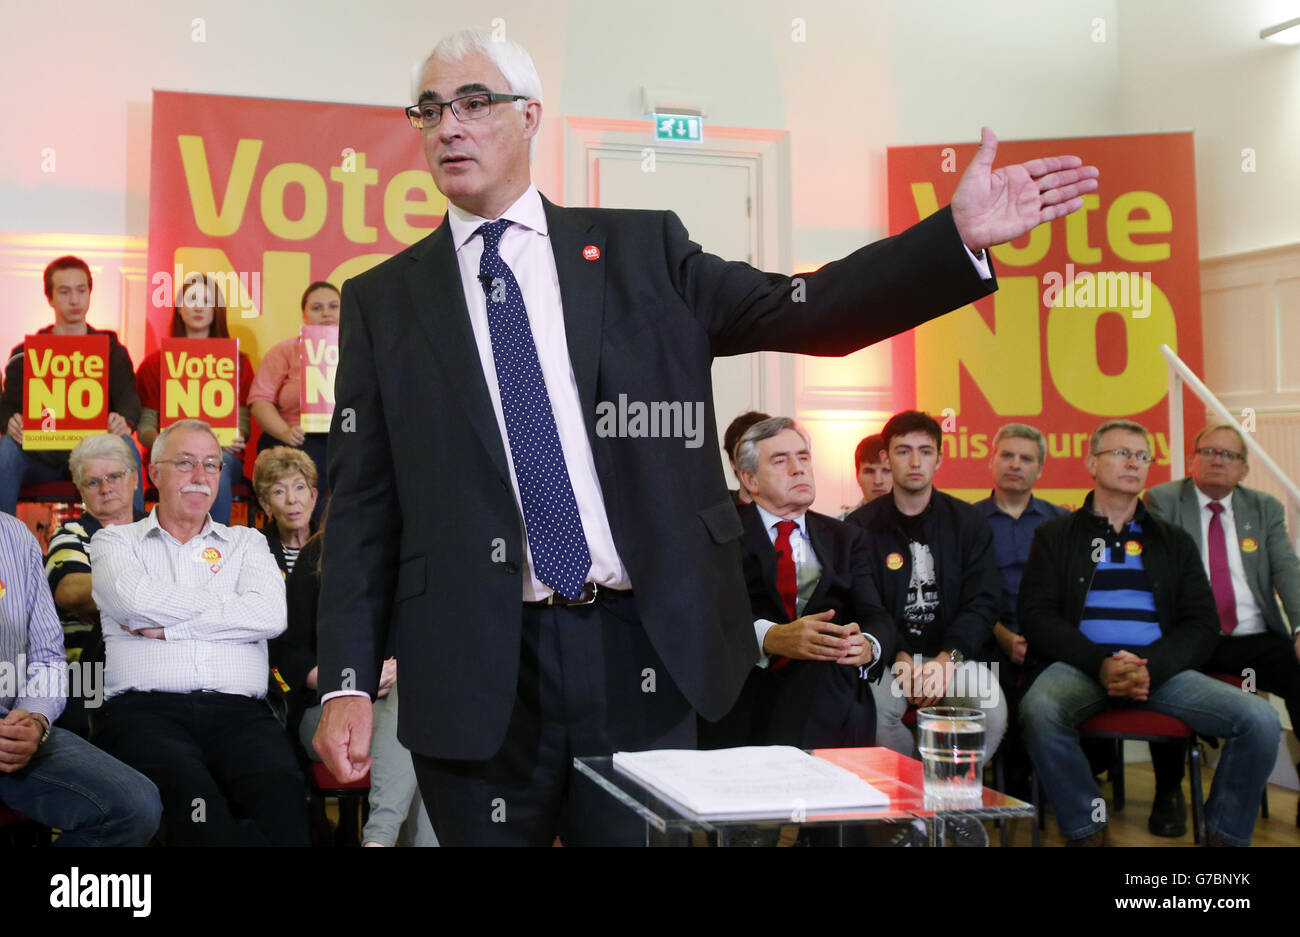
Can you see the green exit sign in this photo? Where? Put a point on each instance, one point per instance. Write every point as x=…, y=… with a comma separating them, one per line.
x=679, y=127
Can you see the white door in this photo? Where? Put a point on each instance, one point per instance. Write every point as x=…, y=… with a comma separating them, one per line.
x=714, y=197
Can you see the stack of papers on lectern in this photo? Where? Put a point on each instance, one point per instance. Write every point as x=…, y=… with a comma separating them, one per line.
x=768, y=782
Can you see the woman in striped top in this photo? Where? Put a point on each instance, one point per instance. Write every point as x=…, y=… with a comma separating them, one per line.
x=284, y=481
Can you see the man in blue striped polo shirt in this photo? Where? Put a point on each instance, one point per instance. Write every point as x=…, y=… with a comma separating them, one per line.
x=1118, y=613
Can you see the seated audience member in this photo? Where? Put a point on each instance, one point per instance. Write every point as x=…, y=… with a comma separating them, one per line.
x=1019, y=453
x=871, y=469
x=276, y=395
x=48, y=774
x=104, y=474
x=187, y=606
x=284, y=480
x=937, y=575
x=397, y=814
x=820, y=625
x=67, y=289
x=731, y=439
x=200, y=312
x=1247, y=553
x=1117, y=611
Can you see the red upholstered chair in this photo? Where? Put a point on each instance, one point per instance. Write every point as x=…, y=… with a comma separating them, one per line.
x=353, y=797
x=17, y=830
x=50, y=492
x=1140, y=725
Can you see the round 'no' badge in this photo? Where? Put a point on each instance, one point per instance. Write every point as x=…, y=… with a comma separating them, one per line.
x=894, y=561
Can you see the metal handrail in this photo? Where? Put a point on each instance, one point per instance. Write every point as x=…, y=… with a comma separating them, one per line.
x=1180, y=373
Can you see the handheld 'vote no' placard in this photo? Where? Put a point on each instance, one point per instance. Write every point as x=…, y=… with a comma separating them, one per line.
x=65, y=389
x=319, y=356
x=200, y=381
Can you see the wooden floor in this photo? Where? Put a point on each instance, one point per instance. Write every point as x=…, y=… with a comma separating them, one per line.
x=1129, y=827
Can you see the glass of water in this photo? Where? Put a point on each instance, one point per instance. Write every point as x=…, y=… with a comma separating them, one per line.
x=951, y=741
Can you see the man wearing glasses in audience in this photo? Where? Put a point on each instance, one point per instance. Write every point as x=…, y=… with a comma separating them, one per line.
x=187, y=606
x=1118, y=613
x=105, y=476
x=1247, y=553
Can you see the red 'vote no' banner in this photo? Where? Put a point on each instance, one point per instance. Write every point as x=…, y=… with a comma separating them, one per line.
x=270, y=195
x=1072, y=336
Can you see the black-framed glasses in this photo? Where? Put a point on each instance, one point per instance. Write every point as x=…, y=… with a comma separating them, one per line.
x=185, y=464
x=428, y=114
x=1208, y=453
x=1144, y=458
x=112, y=478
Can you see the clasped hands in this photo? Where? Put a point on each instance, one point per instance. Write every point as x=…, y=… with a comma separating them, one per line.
x=1124, y=674
x=816, y=637
x=925, y=685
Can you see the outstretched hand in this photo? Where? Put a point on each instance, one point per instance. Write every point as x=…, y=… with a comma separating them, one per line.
x=992, y=206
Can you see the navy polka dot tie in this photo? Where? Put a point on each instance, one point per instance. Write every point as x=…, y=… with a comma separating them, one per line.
x=561, y=558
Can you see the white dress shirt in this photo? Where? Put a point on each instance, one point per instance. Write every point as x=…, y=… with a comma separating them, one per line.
x=526, y=248
x=1250, y=620
x=218, y=598
x=800, y=549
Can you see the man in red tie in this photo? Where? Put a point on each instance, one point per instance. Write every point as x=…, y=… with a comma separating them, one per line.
x=1248, y=556
x=817, y=617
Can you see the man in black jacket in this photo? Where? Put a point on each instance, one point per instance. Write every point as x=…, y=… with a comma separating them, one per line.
x=817, y=617
x=937, y=574
x=1118, y=612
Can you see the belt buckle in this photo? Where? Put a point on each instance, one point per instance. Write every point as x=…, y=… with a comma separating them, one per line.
x=556, y=599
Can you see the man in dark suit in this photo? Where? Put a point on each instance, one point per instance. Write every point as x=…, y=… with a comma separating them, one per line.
x=561, y=582
x=1247, y=553
x=817, y=617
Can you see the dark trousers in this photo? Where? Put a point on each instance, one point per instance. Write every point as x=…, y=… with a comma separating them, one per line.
x=589, y=684
x=807, y=704
x=1276, y=670
x=222, y=764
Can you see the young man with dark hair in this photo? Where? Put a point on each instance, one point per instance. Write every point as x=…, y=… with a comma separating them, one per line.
x=937, y=574
x=67, y=289
x=871, y=469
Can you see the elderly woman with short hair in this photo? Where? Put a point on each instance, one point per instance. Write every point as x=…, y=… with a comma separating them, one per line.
x=284, y=481
x=105, y=474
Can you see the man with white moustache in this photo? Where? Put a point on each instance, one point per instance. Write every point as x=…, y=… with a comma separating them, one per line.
x=187, y=606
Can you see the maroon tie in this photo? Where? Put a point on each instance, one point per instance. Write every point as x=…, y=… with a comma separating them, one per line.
x=787, y=582
x=1220, y=572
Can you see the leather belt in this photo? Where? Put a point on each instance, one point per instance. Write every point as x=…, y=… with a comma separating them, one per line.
x=586, y=597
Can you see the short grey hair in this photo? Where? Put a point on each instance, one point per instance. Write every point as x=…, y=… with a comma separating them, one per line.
x=99, y=446
x=1023, y=431
x=747, y=448
x=511, y=59
x=1126, y=425
x=1214, y=428
x=160, y=444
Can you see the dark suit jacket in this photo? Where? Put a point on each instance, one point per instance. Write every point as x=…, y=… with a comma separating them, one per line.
x=1271, y=568
x=422, y=499
x=811, y=704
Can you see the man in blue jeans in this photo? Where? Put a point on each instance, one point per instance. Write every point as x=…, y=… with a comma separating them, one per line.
x=67, y=289
x=1118, y=612
x=48, y=774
